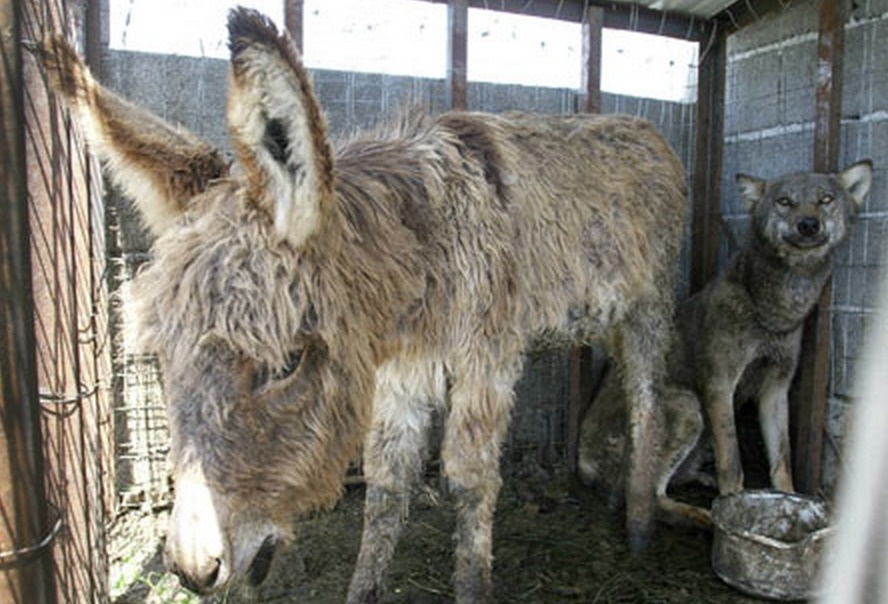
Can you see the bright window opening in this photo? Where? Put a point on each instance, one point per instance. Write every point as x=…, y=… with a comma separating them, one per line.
x=400, y=37
x=409, y=37
x=518, y=49
x=649, y=66
x=195, y=28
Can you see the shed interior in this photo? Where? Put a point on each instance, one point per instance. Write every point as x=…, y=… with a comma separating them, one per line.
x=782, y=85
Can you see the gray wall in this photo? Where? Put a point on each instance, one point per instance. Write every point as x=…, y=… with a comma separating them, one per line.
x=769, y=130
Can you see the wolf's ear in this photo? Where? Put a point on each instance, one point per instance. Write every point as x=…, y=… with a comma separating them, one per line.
x=158, y=166
x=857, y=179
x=278, y=130
x=751, y=189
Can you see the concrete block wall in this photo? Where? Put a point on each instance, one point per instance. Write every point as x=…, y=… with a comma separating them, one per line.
x=769, y=130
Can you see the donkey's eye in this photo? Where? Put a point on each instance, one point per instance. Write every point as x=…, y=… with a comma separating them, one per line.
x=826, y=200
x=264, y=376
x=784, y=202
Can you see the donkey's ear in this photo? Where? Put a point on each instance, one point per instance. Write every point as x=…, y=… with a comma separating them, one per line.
x=277, y=127
x=857, y=179
x=751, y=189
x=160, y=167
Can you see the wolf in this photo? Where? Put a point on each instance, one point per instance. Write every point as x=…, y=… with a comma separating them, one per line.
x=737, y=339
x=314, y=303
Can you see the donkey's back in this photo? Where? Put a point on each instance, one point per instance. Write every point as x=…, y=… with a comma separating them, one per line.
x=559, y=222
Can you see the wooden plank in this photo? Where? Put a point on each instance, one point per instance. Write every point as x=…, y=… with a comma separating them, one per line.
x=648, y=21
x=580, y=383
x=93, y=41
x=592, y=31
x=743, y=12
x=706, y=223
x=811, y=394
x=293, y=20
x=565, y=10
x=457, y=53
x=25, y=562
x=581, y=357
x=616, y=15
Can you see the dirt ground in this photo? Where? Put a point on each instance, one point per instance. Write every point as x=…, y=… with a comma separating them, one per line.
x=554, y=541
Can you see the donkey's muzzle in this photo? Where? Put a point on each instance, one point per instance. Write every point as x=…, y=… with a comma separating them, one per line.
x=200, y=579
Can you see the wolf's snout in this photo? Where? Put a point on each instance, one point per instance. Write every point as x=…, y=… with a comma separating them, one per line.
x=808, y=226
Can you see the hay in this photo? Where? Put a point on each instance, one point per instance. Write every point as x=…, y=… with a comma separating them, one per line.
x=555, y=541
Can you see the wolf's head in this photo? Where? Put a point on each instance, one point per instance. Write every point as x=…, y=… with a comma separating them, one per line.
x=803, y=216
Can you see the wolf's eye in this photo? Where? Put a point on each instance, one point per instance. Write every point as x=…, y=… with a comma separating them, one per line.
x=264, y=376
x=826, y=200
x=784, y=202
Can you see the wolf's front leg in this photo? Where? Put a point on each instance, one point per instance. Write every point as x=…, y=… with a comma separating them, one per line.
x=773, y=410
x=719, y=401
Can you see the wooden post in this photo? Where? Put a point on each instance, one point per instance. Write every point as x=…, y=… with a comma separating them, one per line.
x=293, y=13
x=25, y=563
x=706, y=225
x=581, y=358
x=457, y=53
x=813, y=380
x=593, y=23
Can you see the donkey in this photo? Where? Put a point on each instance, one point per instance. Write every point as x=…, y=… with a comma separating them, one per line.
x=309, y=306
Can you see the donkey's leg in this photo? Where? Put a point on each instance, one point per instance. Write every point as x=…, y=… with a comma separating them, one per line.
x=393, y=459
x=476, y=426
x=641, y=344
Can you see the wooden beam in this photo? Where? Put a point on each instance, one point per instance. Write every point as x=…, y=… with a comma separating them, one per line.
x=592, y=28
x=457, y=53
x=25, y=562
x=648, y=21
x=617, y=15
x=564, y=10
x=813, y=380
x=93, y=38
x=293, y=19
x=743, y=12
x=581, y=357
x=706, y=223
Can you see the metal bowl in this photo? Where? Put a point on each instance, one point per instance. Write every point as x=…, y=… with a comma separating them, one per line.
x=768, y=543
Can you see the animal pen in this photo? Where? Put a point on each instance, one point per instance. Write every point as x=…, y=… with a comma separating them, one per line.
x=781, y=86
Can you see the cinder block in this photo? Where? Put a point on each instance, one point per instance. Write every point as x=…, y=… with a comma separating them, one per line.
x=798, y=75
x=331, y=87
x=797, y=19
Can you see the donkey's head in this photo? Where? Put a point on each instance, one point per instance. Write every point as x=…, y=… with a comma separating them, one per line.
x=237, y=301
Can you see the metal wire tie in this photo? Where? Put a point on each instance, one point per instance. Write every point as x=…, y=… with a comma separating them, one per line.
x=68, y=399
x=33, y=549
